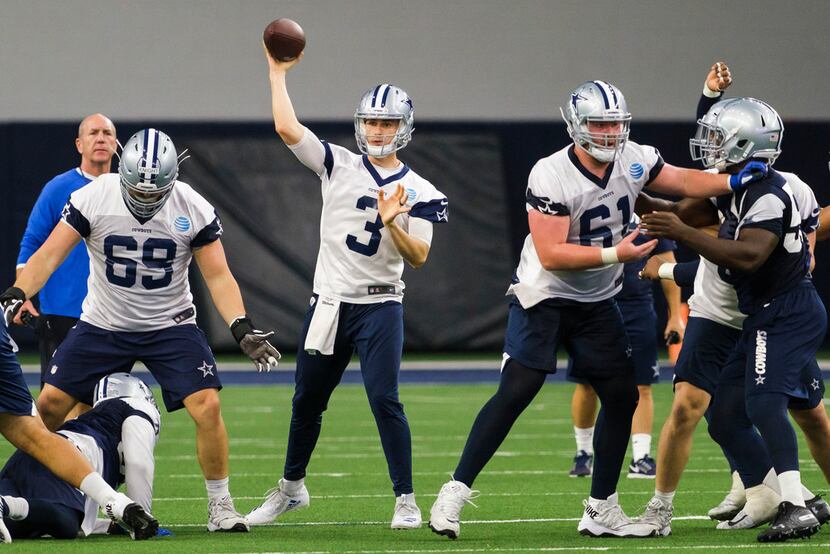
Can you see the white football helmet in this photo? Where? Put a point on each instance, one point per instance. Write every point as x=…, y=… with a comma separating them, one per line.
x=148, y=167
x=597, y=101
x=122, y=385
x=736, y=130
x=384, y=102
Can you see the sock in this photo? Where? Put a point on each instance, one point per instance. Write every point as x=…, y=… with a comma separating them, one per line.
x=291, y=487
x=790, y=482
x=640, y=445
x=667, y=498
x=97, y=489
x=217, y=488
x=584, y=439
x=737, y=492
x=18, y=507
x=771, y=480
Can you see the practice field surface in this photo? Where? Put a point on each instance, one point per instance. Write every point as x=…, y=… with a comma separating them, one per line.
x=527, y=502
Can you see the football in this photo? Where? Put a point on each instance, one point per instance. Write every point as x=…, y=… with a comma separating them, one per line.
x=284, y=39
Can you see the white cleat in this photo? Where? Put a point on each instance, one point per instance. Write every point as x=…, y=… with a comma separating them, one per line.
x=445, y=515
x=5, y=536
x=222, y=516
x=761, y=507
x=277, y=502
x=658, y=514
x=407, y=514
x=732, y=503
x=605, y=518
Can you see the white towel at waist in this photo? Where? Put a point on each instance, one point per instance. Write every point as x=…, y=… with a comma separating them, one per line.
x=323, y=327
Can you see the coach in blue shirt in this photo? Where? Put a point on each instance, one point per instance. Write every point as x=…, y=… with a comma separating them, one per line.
x=64, y=292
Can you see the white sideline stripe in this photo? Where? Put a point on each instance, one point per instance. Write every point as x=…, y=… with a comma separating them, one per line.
x=494, y=494
x=552, y=548
x=471, y=522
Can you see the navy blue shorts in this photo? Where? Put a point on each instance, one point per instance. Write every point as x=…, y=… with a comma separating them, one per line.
x=178, y=357
x=15, y=397
x=640, y=322
x=25, y=477
x=777, y=349
x=593, y=334
x=707, y=346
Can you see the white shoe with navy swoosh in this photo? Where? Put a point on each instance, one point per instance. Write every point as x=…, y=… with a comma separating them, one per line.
x=277, y=502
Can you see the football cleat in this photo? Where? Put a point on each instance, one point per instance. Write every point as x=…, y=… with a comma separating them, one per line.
x=605, y=518
x=727, y=509
x=222, y=516
x=583, y=464
x=819, y=507
x=445, y=515
x=761, y=507
x=792, y=522
x=132, y=517
x=644, y=468
x=277, y=502
x=5, y=536
x=658, y=514
x=407, y=514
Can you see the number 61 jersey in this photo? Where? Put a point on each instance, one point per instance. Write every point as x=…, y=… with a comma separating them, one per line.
x=599, y=211
x=138, y=268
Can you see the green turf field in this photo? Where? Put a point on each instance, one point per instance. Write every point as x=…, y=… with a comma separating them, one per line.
x=527, y=502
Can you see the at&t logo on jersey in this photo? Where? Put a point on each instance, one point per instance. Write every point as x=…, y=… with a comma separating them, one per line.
x=182, y=224
x=636, y=170
x=760, y=356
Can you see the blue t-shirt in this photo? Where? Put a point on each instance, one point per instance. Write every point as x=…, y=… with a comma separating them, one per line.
x=65, y=290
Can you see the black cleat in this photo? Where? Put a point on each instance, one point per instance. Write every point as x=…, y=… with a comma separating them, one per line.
x=791, y=522
x=139, y=523
x=820, y=508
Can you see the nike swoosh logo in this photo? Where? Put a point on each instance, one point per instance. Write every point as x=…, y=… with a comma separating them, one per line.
x=734, y=522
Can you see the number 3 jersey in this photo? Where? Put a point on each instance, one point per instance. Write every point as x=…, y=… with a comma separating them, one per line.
x=358, y=262
x=599, y=209
x=138, y=268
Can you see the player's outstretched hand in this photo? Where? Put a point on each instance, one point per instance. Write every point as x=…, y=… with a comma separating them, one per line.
x=719, y=77
x=751, y=172
x=664, y=224
x=11, y=301
x=390, y=206
x=27, y=314
x=627, y=251
x=650, y=271
x=254, y=343
x=276, y=65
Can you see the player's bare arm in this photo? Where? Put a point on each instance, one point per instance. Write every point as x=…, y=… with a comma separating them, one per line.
x=674, y=320
x=696, y=212
x=746, y=254
x=47, y=259
x=550, y=233
x=220, y=281
x=285, y=120
x=694, y=183
x=823, y=232
x=413, y=250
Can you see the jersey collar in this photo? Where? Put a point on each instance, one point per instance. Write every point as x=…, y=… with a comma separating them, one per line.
x=85, y=174
x=601, y=183
x=376, y=176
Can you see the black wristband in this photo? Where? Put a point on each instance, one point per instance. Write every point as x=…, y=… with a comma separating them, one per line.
x=16, y=293
x=240, y=327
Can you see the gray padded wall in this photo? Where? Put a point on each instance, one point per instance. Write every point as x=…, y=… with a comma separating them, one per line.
x=459, y=59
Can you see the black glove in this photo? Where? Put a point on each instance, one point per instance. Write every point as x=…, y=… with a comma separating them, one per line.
x=11, y=301
x=254, y=343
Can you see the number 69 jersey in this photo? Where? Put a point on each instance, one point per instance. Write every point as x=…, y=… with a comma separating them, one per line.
x=599, y=210
x=357, y=261
x=138, y=269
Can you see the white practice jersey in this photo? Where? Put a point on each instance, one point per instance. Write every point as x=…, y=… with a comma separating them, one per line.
x=138, y=268
x=357, y=261
x=599, y=211
x=716, y=300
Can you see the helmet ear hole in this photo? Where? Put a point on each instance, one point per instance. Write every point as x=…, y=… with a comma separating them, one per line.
x=741, y=143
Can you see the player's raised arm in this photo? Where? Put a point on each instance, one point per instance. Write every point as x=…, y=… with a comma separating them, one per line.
x=285, y=120
x=693, y=183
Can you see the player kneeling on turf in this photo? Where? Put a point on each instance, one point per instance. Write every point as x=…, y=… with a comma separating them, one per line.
x=117, y=437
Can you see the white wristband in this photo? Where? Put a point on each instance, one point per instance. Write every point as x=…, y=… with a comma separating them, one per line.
x=609, y=255
x=709, y=93
x=666, y=271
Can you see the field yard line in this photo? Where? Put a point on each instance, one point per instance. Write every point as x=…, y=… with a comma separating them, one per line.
x=343, y=496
